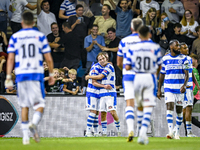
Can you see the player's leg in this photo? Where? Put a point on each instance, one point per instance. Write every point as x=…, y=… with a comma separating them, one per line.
x=129, y=110
x=24, y=104
x=96, y=124
x=139, y=119
x=103, y=110
x=36, y=96
x=184, y=122
x=169, y=100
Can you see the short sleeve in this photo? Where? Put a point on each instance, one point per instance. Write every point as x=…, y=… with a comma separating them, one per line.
x=62, y=6
x=45, y=45
x=120, y=52
x=11, y=45
x=163, y=71
x=128, y=57
x=186, y=65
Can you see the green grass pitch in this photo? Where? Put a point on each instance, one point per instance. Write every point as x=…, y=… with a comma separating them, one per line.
x=101, y=143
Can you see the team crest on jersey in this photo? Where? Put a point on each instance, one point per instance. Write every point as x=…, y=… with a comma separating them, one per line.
x=93, y=71
x=180, y=61
x=110, y=107
x=105, y=71
x=179, y=102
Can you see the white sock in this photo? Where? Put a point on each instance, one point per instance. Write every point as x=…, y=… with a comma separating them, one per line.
x=90, y=122
x=129, y=114
x=117, y=125
x=139, y=120
x=104, y=127
x=189, y=127
x=37, y=116
x=146, y=120
x=179, y=120
x=96, y=124
x=170, y=120
x=25, y=130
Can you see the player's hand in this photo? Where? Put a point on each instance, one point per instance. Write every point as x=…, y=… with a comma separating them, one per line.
x=183, y=89
x=9, y=84
x=51, y=80
x=107, y=87
x=87, y=77
x=159, y=94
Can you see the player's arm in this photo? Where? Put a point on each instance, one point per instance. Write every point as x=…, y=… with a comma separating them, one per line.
x=10, y=65
x=49, y=61
x=97, y=77
x=62, y=16
x=95, y=83
x=195, y=81
x=183, y=88
x=160, y=83
x=120, y=62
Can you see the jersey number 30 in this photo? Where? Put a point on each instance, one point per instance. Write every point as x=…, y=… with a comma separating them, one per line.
x=145, y=61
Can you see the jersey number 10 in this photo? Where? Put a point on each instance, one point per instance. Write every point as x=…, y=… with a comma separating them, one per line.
x=31, y=50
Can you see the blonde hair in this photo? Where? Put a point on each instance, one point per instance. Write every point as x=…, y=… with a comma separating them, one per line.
x=72, y=71
x=154, y=21
x=163, y=14
x=184, y=21
x=61, y=70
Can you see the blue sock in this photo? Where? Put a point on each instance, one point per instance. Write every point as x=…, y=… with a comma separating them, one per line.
x=96, y=124
x=90, y=122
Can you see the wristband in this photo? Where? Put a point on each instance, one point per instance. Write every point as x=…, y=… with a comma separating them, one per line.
x=185, y=87
x=51, y=74
x=8, y=76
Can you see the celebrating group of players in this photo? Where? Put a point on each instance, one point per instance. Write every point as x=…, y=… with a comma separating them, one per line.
x=141, y=62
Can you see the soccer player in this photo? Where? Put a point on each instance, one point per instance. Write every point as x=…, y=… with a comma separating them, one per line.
x=92, y=99
x=128, y=76
x=108, y=97
x=145, y=59
x=175, y=75
x=26, y=50
x=188, y=98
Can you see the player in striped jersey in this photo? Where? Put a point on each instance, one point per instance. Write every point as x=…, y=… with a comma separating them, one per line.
x=175, y=75
x=92, y=99
x=108, y=101
x=26, y=49
x=67, y=9
x=188, y=99
x=128, y=76
x=145, y=59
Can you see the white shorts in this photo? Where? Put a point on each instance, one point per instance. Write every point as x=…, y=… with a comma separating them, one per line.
x=176, y=98
x=145, y=90
x=31, y=94
x=92, y=103
x=108, y=103
x=128, y=90
x=188, y=98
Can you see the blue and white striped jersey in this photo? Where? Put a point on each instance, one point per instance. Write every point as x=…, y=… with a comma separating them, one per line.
x=173, y=67
x=144, y=57
x=29, y=46
x=68, y=7
x=125, y=43
x=109, y=79
x=92, y=90
x=190, y=81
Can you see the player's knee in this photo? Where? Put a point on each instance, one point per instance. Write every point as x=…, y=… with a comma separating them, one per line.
x=179, y=109
x=170, y=106
x=103, y=116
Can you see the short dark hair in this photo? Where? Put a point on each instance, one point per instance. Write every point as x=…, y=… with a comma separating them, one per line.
x=66, y=24
x=136, y=23
x=183, y=43
x=42, y=3
x=108, y=6
x=123, y=0
x=79, y=6
x=95, y=25
x=111, y=29
x=28, y=18
x=143, y=31
x=173, y=41
x=54, y=24
x=178, y=25
x=197, y=28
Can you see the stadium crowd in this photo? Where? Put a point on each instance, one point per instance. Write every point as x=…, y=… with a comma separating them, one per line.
x=78, y=30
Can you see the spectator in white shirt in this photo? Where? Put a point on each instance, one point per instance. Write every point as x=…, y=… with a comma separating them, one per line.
x=45, y=17
x=145, y=5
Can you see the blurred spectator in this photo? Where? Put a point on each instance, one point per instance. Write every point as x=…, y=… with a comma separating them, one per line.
x=112, y=54
x=67, y=9
x=95, y=7
x=84, y=83
x=14, y=90
x=17, y=7
x=62, y=73
x=81, y=25
x=4, y=9
x=181, y=38
x=2, y=63
x=3, y=41
x=112, y=10
x=57, y=53
x=45, y=18
x=71, y=87
x=92, y=45
x=189, y=25
x=196, y=44
x=104, y=22
x=86, y=12
x=193, y=6
x=72, y=53
x=174, y=10
x=151, y=21
x=124, y=17
x=145, y=5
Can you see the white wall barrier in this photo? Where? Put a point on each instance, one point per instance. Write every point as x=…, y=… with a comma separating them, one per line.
x=67, y=117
